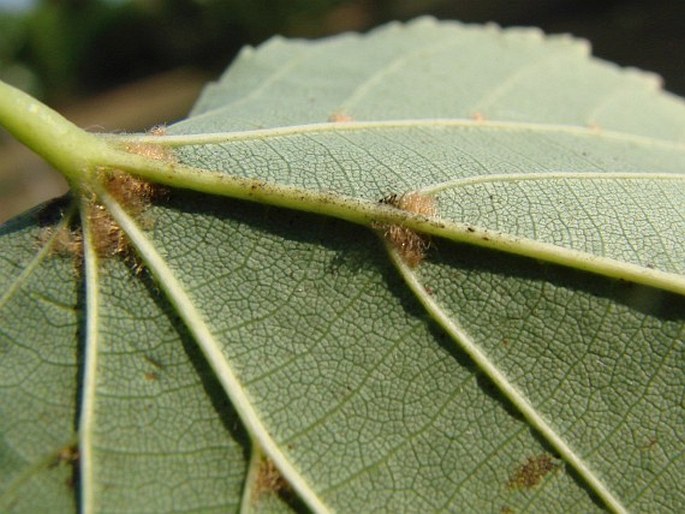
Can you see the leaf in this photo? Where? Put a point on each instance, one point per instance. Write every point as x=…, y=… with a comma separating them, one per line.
x=532, y=361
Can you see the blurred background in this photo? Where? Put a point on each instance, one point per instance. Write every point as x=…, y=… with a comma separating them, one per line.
x=127, y=65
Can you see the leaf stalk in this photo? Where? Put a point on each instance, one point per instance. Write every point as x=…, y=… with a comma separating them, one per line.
x=65, y=146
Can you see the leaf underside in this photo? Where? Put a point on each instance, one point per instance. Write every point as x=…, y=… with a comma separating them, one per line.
x=346, y=372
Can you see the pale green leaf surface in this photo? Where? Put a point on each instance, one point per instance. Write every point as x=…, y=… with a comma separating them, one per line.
x=609, y=194
x=557, y=133
x=374, y=405
x=370, y=164
x=433, y=70
x=39, y=345
x=347, y=367
x=164, y=438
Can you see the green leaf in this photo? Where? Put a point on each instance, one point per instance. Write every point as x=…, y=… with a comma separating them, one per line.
x=532, y=361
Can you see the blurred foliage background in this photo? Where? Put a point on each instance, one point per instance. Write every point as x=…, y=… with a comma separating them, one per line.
x=126, y=65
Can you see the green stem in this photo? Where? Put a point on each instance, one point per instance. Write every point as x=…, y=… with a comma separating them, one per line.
x=68, y=148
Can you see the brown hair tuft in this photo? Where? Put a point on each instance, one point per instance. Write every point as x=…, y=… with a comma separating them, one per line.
x=410, y=245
